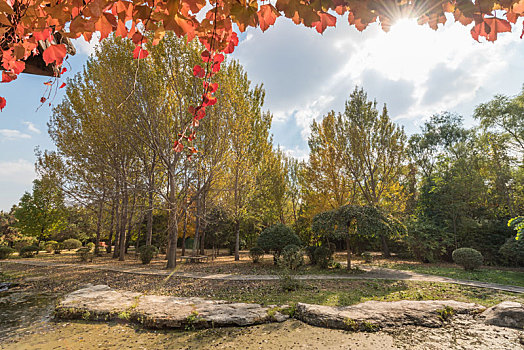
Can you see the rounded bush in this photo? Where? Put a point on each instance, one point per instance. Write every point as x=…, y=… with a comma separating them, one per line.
x=71, y=243
x=468, y=258
x=147, y=253
x=291, y=258
x=323, y=256
x=50, y=246
x=29, y=251
x=274, y=238
x=90, y=245
x=5, y=252
x=256, y=253
x=85, y=254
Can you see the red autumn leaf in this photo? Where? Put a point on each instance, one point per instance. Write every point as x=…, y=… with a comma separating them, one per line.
x=210, y=87
x=55, y=54
x=43, y=35
x=138, y=38
x=196, y=123
x=139, y=52
x=219, y=58
x=497, y=25
x=208, y=100
x=63, y=70
x=63, y=85
x=267, y=15
x=191, y=110
x=3, y=102
x=192, y=149
x=490, y=28
x=7, y=77
x=232, y=43
x=198, y=71
x=200, y=114
x=48, y=83
x=178, y=146
x=206, y=56
x=216, y=67
x=326, y=20
x=43, y=99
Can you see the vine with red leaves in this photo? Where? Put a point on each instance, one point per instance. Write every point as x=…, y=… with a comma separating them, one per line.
x=26, y=24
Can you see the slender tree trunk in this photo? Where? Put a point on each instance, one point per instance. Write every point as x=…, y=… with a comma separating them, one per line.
x=237, y=241
x=197, y=227
x=185, y=231
x=111, y=227
x=173, y=224
x=149, y=236
x=122, y=242
x=99, y=222
x=348, y=247
x=203, y=239
x=130, y=222
x=118, y=218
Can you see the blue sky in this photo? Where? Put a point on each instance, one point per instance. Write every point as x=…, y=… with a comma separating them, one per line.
x=416, y=71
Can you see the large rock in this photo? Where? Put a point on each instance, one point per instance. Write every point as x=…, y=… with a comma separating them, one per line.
x=373, y=315
x=103, y=303
x=505, y=314
x=96, y=303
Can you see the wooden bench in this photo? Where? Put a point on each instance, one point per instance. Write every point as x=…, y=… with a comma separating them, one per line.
x=194, y=259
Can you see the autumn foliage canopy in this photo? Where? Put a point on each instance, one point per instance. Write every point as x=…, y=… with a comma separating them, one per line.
x=24, y=23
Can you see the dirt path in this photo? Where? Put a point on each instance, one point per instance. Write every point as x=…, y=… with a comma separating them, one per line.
x=371, y=273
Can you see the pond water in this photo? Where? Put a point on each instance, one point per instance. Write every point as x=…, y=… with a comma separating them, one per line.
x=23, y=311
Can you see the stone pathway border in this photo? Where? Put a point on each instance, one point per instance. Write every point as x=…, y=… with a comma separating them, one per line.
x=372, y=274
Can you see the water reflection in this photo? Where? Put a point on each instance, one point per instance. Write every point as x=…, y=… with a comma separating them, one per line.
x=23, y=311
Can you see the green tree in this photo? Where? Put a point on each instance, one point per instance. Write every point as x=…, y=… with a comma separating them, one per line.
x=41, y=213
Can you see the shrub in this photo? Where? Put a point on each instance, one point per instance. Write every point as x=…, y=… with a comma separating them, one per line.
x=256, y=253
x=513, y=252
x=50, y=246
x=147, y=253
x=310, y=252
x=85, y=254
x=24, y=242
x=28, y=251
x=323, y=256
x=274, y=238
x=368, y=258
x=58, y=248
x=91, y=246
x=5, y=252
x=292, y=257
x=468, y=258
x=71, y=243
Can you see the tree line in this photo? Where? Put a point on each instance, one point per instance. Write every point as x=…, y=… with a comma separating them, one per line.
x=114, y=176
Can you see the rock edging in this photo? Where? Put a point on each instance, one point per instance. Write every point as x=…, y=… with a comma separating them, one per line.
x=375, y=315
x=104, y=303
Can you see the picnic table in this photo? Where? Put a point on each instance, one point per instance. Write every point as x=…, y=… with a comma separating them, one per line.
x=194, y=258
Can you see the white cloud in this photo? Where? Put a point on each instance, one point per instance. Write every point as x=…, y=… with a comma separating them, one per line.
x=87, y=47
x=20, y=171
x=32, y=127
x=10, y=134
x=414, y=70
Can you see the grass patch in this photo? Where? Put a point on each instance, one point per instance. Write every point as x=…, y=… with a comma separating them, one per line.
x=344, y=293
x=507, y=277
